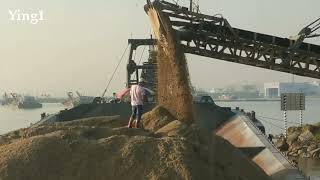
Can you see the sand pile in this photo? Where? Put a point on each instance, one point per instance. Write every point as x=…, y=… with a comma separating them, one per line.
x=173, y=83
x=102, y=148
x=156, y=119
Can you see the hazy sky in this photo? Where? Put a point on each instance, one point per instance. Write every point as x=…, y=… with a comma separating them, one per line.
x=80, y=42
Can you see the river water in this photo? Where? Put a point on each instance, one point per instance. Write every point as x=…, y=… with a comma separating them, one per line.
x=12, y=118
x=268, y=112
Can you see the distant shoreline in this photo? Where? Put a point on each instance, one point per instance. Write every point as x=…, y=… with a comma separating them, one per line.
x=240, y=100
x=260, y=99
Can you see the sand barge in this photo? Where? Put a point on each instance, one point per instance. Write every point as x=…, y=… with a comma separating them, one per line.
x=103, y=148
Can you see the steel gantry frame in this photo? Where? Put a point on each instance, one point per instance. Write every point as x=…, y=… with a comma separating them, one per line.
x=212, y=36
x=147, y=69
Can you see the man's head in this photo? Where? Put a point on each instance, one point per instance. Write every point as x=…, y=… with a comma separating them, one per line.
x=142, y=81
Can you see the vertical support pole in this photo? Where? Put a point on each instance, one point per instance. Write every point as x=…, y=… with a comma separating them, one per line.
x=198, y=7
x=130, y=58
x=137, y=75
x=301, y=117
x=191, y=4
x=285, y=123
x=302, y=104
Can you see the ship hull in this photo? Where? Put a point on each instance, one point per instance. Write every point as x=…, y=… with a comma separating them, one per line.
x=29, y=106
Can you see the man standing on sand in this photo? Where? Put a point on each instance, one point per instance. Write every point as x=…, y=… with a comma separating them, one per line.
x=137, y=94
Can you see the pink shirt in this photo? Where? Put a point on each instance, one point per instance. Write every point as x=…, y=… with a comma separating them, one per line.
x=137, y=94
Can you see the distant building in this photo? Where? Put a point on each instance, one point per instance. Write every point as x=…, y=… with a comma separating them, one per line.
x=276, y=88
x=217, y=90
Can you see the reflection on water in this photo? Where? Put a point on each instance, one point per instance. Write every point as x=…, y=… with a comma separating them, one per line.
x=310, y=167
x=12, y=118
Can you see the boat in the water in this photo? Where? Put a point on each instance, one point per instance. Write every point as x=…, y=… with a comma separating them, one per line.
x=10, y=99
x=76, y=101
x=70, y=101
x=29, y=102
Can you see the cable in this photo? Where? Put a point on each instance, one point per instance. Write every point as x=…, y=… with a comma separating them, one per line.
x=265, y=120
x=144, y=48
x=268, y=117
x=176, y=1
x=272, y=124
x=114, y=72
x=219, y=14
x=274, y=119
x=135, y=54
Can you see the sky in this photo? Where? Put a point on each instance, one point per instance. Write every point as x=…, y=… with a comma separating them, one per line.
x=79, y=43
